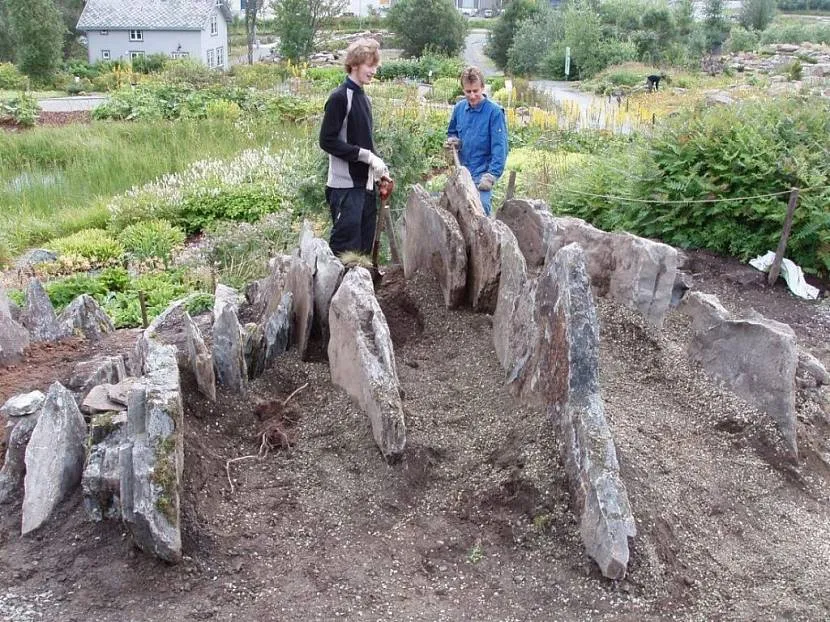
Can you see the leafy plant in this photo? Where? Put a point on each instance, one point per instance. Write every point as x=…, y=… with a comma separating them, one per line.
x=63, y=291
x=94, y=245
x=22, y=110
x=115, y=279
x=424, y=25
x=151, y=239
x=11, y=78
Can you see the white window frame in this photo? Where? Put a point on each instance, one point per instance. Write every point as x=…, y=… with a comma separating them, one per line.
x=104, y=33
x=136, y=35
x=178, y=55
x=220, y=57
x=210, y=59
x=214, y=26
x=136, y=53
x=106, y=55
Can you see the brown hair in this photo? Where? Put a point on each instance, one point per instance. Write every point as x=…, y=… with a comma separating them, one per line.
x=471, y=75
x=361, y=51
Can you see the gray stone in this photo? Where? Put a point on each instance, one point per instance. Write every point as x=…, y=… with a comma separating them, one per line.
x=14, y=311
x=34, y=257
x=39, y=315
x=98, y=401
x=14, y=338
x=254, y=349
x=120, y=392
x=531, y=223
x=228, y=347
x=151, y=460
x=101, y=480
x=85, y=318
x=23, y=404
x=811, y=366
x=433, y=244
x=225, y=296
x=99, y=370
x=199, y=358
x=300, y=282
x=569, y=382
x=54, y=457
x=327, y=272
x=14, y=464
x=277, y=331
x=755, y=357
x=362, y=361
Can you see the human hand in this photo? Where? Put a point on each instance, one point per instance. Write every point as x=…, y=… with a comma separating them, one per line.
x=453, y=142
x=486, y=182
x=378, y=166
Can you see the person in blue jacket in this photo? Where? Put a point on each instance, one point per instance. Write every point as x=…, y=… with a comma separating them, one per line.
x=478, y=131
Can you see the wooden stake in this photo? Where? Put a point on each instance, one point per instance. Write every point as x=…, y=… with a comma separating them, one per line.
x=775, y=268
x=143, y=305
x=511, y=186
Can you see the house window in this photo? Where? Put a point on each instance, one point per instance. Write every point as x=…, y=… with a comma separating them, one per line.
x=177, y=55
x=136, y=54
x=220, y=57
x=136, y=35
x=214, y=25
x=210, y=62
x=105, y=55
x=105, y=32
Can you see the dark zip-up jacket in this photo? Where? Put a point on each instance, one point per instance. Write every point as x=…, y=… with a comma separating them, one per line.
x=343, y=135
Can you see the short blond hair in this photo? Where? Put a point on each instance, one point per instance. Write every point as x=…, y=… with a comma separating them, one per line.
x=361, y=51
x=471, y=75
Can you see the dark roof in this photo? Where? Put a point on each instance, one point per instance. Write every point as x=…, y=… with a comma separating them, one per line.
x=148, y=14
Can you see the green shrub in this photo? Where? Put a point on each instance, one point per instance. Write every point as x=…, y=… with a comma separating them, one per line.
x=200, y=303
x=424, y=25
x=94, y=245
x=793, y=70
x=742, y=40
x=223, y=109
x=22, y=110
x=241, y=203
x=259, y=75
x=189, y=71
x=10, y=77
x=151, y=239
x=115, y=279
x=420, y=68
x=75, y=87
x=63, y=291
x=445, y=90
x=797, y=33
x=152, y=63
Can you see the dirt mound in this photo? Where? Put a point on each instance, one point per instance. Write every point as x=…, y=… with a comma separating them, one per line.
x=475, y=522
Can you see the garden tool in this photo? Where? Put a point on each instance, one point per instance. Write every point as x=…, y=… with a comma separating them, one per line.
x=384, y=221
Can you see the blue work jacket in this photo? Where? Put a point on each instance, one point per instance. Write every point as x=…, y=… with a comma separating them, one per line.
x=483, y=133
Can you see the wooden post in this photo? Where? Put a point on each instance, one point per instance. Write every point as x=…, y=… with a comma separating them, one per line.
x=775, y=268
x=511, y=186
x=143, y=305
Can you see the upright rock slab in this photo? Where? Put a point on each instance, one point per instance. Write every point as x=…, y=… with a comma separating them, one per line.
x=14, y=464
x=754, y=356
x=362, y=361
x=39, y=315
x=569, y=362
x=228, y=341
x=85, y=318
x=433, y=244
x=101, y=481
x=14, y=338
x=152, y=458
x=300, y=282
x=54, y=457
x=327, y=272
x=200, y=359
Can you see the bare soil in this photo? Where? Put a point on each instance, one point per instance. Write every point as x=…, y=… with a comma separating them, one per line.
x=475, y=522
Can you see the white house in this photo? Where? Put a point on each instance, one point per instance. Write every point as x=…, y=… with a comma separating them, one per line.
x=126, y=29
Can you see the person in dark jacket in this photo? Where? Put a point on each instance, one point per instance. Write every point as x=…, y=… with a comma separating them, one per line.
x=354, y=167
x=478, y=131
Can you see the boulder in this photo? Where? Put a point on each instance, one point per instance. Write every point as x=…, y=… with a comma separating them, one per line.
x=531, y=223
x=99, y=370
x=754, y=356
x=228, y=341
x=54, y=457
x=14, y=464
x=568, y=358
x=120, y=392
x=362, y=360
x=34, y=257
x=808, y=365
x=327, y=272
x=14, y=338
x=199, y=359
x=23, y=404
x=433, y=243
x=151, y=458
x=85, y=318
x=39, y=315
x=98, y=401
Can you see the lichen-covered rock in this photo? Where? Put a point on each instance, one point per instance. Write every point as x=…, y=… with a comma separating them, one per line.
x=83, y=317
x=199, y=358
x=39, y=315
x=14, y=338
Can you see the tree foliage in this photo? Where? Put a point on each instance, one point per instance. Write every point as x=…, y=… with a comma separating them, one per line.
x=501, y=37
x=532, y=35
x=757, y=14
x=6, y=42
x=70, y=12
x=715, y=23
x=425, y=25
x=37, y=31
x=297, y=23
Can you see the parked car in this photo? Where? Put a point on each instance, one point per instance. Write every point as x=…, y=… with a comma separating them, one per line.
x=489, y=13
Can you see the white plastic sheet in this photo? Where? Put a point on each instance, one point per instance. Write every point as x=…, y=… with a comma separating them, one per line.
x=792, y=274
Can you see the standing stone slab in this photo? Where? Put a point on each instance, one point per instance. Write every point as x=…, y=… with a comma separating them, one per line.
x=54, y=457
x=151, y=460
x=14, y=465
x=433, y=244
x=99, y=370
x=530, y=222
x=300, y=282
x=277, y=330
x=85, y=318
x=39, y=315
x=228, y=341
x=14, y=338
x=327, y=272
x=569, y=360
x=199, y=358
x=101, y=481
x=755, y=357
x=362, y=361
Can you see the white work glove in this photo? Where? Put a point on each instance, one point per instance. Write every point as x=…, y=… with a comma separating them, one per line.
x=486, y=182
x=376, y=164
x=452, y=141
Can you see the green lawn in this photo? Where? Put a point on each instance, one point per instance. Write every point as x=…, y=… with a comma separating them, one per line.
x=57, y=180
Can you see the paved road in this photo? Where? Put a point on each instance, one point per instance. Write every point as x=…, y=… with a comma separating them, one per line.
x=474, y=52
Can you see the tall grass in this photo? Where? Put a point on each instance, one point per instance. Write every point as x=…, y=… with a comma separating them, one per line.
x=56, y=180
